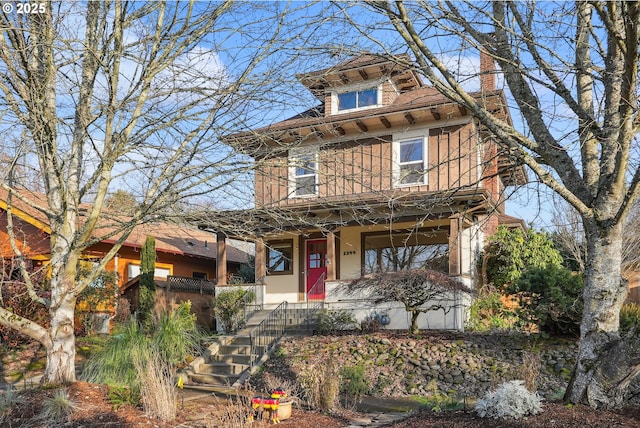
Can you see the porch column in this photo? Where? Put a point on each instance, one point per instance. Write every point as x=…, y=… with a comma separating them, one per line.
x=331, y=257
x=454, y=246
x=260, y=260
x=221, y=259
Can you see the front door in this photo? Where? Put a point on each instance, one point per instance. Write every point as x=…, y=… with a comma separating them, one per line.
x=316, y=265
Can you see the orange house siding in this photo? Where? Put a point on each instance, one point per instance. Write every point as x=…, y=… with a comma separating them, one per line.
x=180, y=265
x=31, y=240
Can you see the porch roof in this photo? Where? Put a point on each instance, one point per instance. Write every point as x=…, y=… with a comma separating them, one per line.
x=331, y=213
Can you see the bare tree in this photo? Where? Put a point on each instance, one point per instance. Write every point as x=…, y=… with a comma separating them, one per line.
x=128, y=95
x=572, y=72
x=419, y=290
x=568, y=234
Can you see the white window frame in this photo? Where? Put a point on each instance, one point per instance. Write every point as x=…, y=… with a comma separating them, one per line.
x=133, y=270
x=335, y=105
x=294, y=157
x=398, y=164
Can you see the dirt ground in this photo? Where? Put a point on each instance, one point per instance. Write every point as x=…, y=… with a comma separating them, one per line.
x=93, y=410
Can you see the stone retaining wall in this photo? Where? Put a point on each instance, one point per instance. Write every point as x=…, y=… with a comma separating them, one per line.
x=460, y=364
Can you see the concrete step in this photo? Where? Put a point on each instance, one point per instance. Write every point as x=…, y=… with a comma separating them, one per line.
x=240, y=340
x=214, y=379
x=219, y=368
x=233, y=356
x=235, y=349
x=231, y=359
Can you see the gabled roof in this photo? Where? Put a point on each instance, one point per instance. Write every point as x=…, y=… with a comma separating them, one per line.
x=170, y=238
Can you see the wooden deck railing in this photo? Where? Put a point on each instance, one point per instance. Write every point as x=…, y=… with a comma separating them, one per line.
x=185, y=283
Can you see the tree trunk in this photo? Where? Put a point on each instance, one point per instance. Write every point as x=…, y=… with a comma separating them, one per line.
x=413, y=328
x=61, y=349
x=605, y=363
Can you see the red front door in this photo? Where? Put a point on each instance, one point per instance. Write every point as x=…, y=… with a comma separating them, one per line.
x=316, y=265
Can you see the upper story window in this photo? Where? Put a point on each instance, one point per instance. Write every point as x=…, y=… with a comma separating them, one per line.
x=303, y=173
x=410, y=162
x=356, y=99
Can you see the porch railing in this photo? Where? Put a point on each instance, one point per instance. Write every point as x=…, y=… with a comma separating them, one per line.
x=250, y=304
x=185, y=283
x=265, y=335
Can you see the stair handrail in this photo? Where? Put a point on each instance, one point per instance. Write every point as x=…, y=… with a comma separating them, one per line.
x=250, y=304
x=268, y=332
x=314, y=306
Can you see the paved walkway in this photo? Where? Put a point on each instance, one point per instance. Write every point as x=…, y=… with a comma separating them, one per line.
x=370, y=419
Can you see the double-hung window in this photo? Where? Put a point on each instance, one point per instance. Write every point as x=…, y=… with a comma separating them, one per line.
x=303, y=173
x=410, y=162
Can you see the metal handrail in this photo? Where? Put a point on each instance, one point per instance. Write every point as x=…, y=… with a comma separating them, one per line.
x=268, y=332
x=314, y=306
x=249, y=305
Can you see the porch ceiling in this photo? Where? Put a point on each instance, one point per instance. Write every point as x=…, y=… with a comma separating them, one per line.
x=331, y=213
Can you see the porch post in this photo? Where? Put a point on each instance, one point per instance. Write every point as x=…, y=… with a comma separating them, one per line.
x=331, y=256
x=221, y=259
x=261, y=263
x=454, y=246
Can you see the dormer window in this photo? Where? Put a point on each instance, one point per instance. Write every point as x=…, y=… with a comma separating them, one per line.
x=357, y=99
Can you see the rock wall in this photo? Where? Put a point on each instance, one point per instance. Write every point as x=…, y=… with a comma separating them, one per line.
x=460, y=364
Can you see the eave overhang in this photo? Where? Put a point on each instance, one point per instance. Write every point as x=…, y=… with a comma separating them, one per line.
x=329, y=214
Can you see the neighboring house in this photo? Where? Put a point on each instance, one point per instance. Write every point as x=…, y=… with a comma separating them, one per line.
x=186, y=257
x=385, y=174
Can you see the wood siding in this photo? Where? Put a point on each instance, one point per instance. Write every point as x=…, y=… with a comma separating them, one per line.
x=365, y=167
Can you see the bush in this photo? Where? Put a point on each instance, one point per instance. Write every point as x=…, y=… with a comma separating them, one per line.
x=510, y=401
x=16, y=299
x=551, y=298
x=113, y=364
x=158, y=389
x=629, y=317
x=57, y=410
x=354, y=382
x=10, y=400
x=229, y=308
x=330, y=322
x=488, y=312
x=173, y=337
x=321, y=386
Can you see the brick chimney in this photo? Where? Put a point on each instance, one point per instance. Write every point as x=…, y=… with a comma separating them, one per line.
x=487, y=71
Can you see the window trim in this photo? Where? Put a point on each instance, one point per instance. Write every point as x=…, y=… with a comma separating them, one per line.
x=335, y=104
x=294, y=156
x=436, y=230
x=282, y=242
x=398, y=164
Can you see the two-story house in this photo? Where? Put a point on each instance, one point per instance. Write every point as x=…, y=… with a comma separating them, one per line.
x=385, y=174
